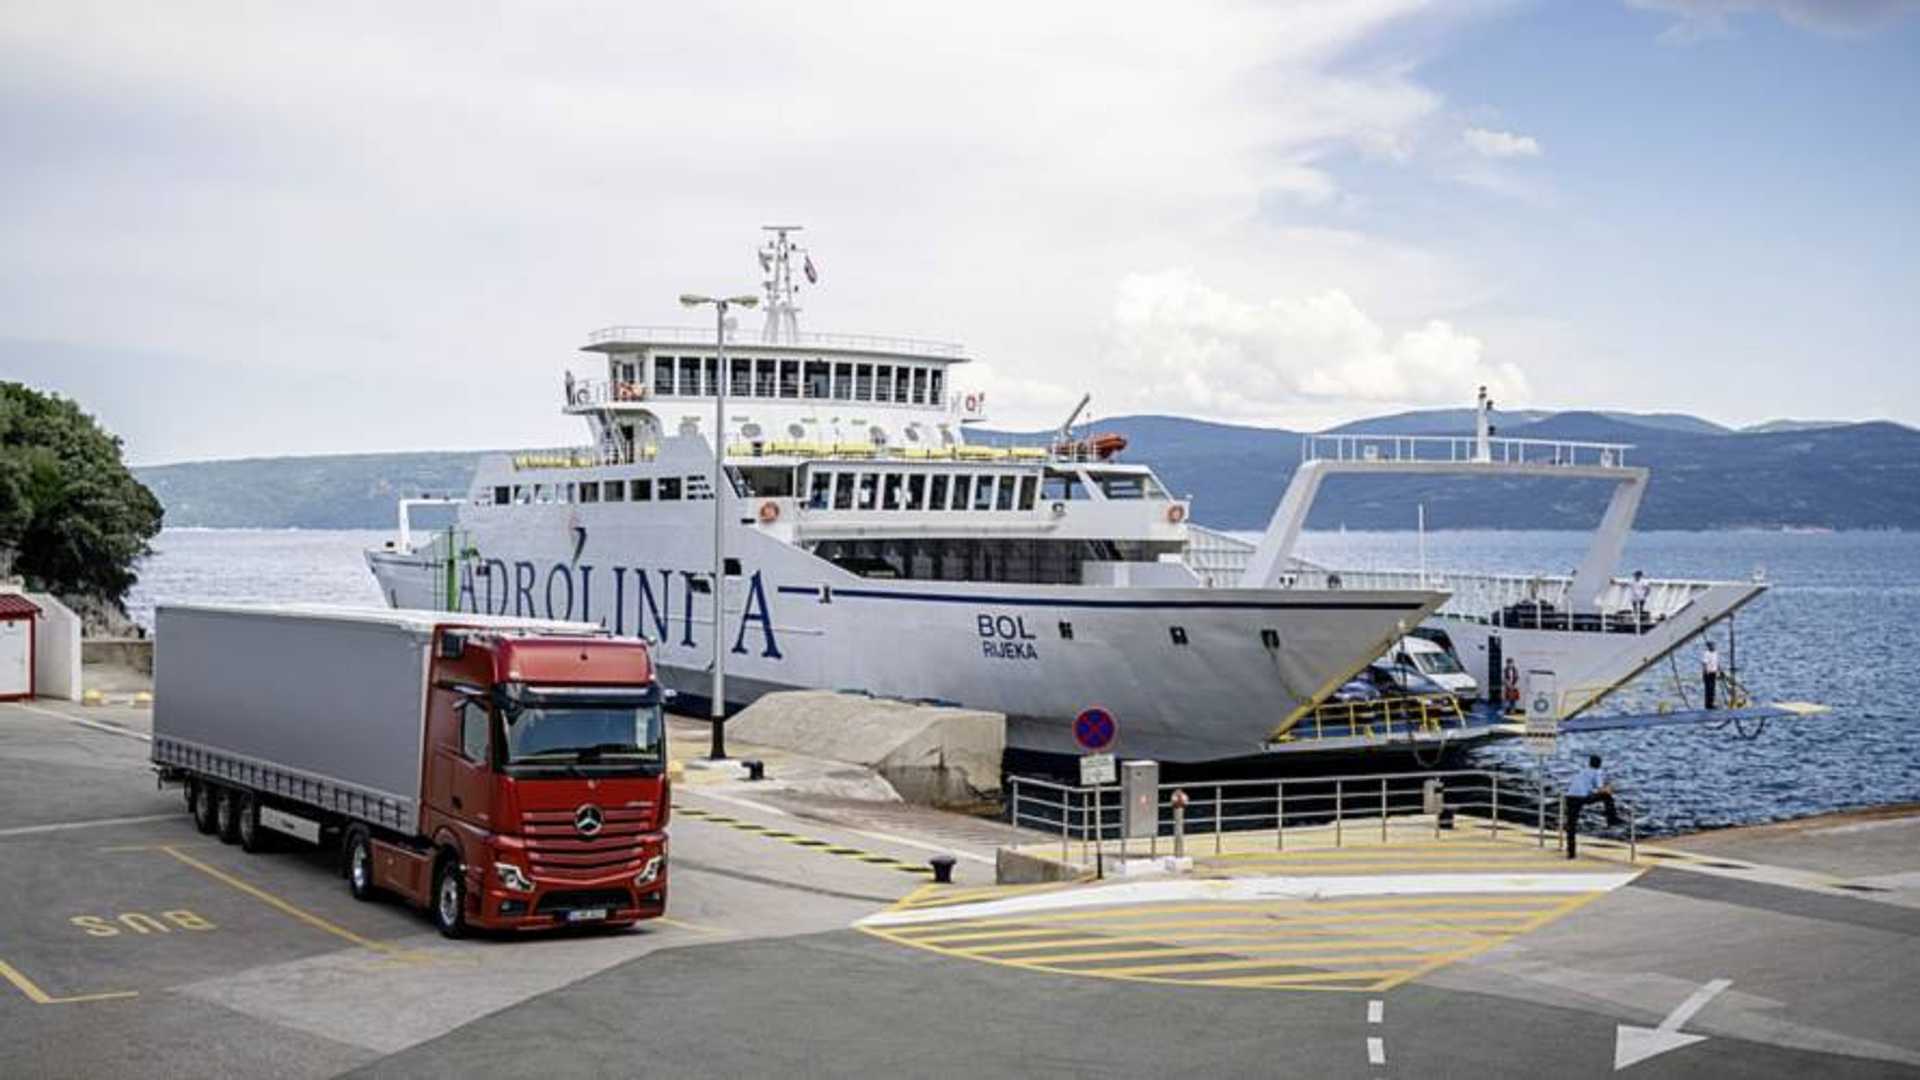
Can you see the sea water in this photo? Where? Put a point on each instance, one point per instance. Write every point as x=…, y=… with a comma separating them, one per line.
x=1837, y=627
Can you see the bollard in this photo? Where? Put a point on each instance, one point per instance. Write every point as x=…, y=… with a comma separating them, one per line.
x=942, y=869
x=1179, y=823
x=756, y=770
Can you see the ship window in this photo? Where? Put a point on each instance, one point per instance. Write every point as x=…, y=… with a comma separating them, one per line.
x=732, y=567
x=764, y=377
x=843, y=382
x=1154, y=489
x=643, y=490
x=863, y=382
x=962, y=491
x=742, y=384
x=937, y=492
x=843, y=491
x=669, y=488
x=883, y=382
x=1179, y=634
x=711, y=386
x=1063, y=486
x=1122, y=486
x=766, y=483
x=689, y=376
x=502, y=496
x=789, y=378
x=590, y=491
x=983, y=493
x=817, y=380
x=663, y=374
x=1066, y=631
x=819, y=490
x=698, y=488
x=890, y=494
x=919, y=386
x=902, y=384
x=934, y=379
x=917, y=491
x=869, y=490
x=565, y=493
x=615, y=490
x=519, y=494
x=1026, y=492
x=1003, y=497
x=1269, y=637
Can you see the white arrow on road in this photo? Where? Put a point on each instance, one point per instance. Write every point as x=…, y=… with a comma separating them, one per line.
x=1633, y=1045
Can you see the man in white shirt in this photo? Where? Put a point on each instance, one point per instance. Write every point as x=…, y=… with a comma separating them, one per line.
x=1710, y=671
x=1637, y=591
x=1588, y=785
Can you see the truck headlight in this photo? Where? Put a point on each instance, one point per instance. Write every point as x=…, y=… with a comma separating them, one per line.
x=512, y=877
x=649, y=872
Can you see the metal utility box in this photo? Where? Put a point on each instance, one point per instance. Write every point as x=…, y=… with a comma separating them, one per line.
x=1140, y=798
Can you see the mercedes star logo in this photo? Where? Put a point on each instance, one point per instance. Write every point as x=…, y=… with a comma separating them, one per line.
x=588, y=819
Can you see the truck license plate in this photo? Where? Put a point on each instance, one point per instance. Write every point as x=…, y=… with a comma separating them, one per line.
x=589, y=914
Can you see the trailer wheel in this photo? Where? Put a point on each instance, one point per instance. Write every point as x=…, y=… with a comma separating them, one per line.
x=253, y=841
x=450, y=898
x=359, y=849
x=226, y=813
x=204, y=816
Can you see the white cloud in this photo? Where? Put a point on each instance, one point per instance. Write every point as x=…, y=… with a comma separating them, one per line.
x=1178, y=345
x=1501, y=144
x=1700, y=19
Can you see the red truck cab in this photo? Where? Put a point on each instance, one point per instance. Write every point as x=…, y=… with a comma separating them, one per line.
x=544, y=794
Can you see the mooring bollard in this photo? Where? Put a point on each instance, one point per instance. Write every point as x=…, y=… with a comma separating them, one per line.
x=756, y=770
x=942, y=869
x=1179, y=801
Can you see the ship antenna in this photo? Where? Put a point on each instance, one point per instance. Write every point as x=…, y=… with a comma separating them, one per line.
x=783, y=309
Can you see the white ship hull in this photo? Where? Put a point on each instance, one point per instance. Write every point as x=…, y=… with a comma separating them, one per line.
x=795, y=621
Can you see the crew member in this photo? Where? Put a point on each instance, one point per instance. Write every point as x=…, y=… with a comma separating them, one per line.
x=1589, y=785
x=1710, y=671
x=1637, y=591
x=1511, y=690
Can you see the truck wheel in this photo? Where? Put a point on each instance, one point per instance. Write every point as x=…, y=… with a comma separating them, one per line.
x=253, y=840
x=359, y=864
x=204, y=816
x=450, y=899
x=226, y=813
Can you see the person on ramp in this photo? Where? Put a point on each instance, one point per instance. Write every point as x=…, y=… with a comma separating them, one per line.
x=1589, y=785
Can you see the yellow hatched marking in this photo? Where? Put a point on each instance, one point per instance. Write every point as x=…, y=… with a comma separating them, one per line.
x=1242, y=965
x=1319, y=929
x=1545, y=917
x=1276, y=907
x=1373, y=867
x=1271, y=947
x=1297, y=981
x=41, y=997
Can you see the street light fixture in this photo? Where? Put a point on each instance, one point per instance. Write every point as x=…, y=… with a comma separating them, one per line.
x=717, y=750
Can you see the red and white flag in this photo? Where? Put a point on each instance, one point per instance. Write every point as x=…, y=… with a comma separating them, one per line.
x=813, y=276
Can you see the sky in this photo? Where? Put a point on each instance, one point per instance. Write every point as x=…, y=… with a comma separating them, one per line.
x=248, y=230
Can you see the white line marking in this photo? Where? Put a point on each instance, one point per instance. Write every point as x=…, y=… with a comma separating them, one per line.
x=28, y=830
x=888, y=837
x=1262, y=888
x=1694, y=1004
x=1633, y=1044
x=96, y=725
x=1376, y=1050
x=1376, y=1011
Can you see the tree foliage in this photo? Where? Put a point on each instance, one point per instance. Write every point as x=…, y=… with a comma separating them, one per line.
x=72, y=516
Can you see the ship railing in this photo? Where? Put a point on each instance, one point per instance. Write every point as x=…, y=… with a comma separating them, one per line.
x=1450, y=449
x=1378, y=720
x=687, y=335
x=1540, y=602
x=583, y=457
x=1250, y=815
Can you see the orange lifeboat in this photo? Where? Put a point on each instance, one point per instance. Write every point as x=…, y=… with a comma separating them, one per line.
x=1107, y=444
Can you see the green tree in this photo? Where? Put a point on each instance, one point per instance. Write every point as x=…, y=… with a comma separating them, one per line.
x=73, y=518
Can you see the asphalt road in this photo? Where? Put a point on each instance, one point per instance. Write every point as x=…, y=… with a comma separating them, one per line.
x=135, y=946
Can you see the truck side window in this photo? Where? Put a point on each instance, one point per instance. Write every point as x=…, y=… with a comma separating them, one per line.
x=473, y=732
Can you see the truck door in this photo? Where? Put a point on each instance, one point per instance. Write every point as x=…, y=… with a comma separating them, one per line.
x=460, y=766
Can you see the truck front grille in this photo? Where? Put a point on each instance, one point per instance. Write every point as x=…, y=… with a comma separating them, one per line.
x=555, y=849
x=574, y=899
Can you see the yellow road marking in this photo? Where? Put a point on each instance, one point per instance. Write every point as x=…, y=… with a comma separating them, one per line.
x=1351, y=925
x=41, y=997
x=1272, y=947
x=1371, y=867
x=1296, y=981
x=271, y=900
x=1545, y=917
x=695, y=927
x=1276, y=906
x=1240, y=965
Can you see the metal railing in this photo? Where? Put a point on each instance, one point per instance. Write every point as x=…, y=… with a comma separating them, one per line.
x=1379, y=720
x=1463, y=449
x=1092, y=820
x=688, y=335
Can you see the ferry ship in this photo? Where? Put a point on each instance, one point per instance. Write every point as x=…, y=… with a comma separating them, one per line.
x=870, y=545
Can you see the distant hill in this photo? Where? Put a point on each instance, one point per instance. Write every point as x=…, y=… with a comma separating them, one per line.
x=1460, y=422
x=1845, y=476
x=1793, y=425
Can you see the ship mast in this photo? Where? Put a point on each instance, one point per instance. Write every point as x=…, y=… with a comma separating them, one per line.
x=776, y=260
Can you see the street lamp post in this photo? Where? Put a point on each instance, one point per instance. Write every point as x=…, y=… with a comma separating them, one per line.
x=717, y=750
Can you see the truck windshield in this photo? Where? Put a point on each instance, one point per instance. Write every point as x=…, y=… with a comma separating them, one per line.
x=1437, y=663
x=584, y=734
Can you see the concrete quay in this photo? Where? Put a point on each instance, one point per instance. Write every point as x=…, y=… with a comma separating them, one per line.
x=804, y=936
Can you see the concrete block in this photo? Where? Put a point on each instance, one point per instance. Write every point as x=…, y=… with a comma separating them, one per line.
x=1012, y=867
x=933, y=755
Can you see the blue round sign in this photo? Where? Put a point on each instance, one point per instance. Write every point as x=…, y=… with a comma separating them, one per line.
x=1094, y=729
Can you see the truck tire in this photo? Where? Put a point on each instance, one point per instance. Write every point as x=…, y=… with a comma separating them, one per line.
x=205, y=816
x=226, y=813
x=253, y=839
x=359, y=863
x=450, y=898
